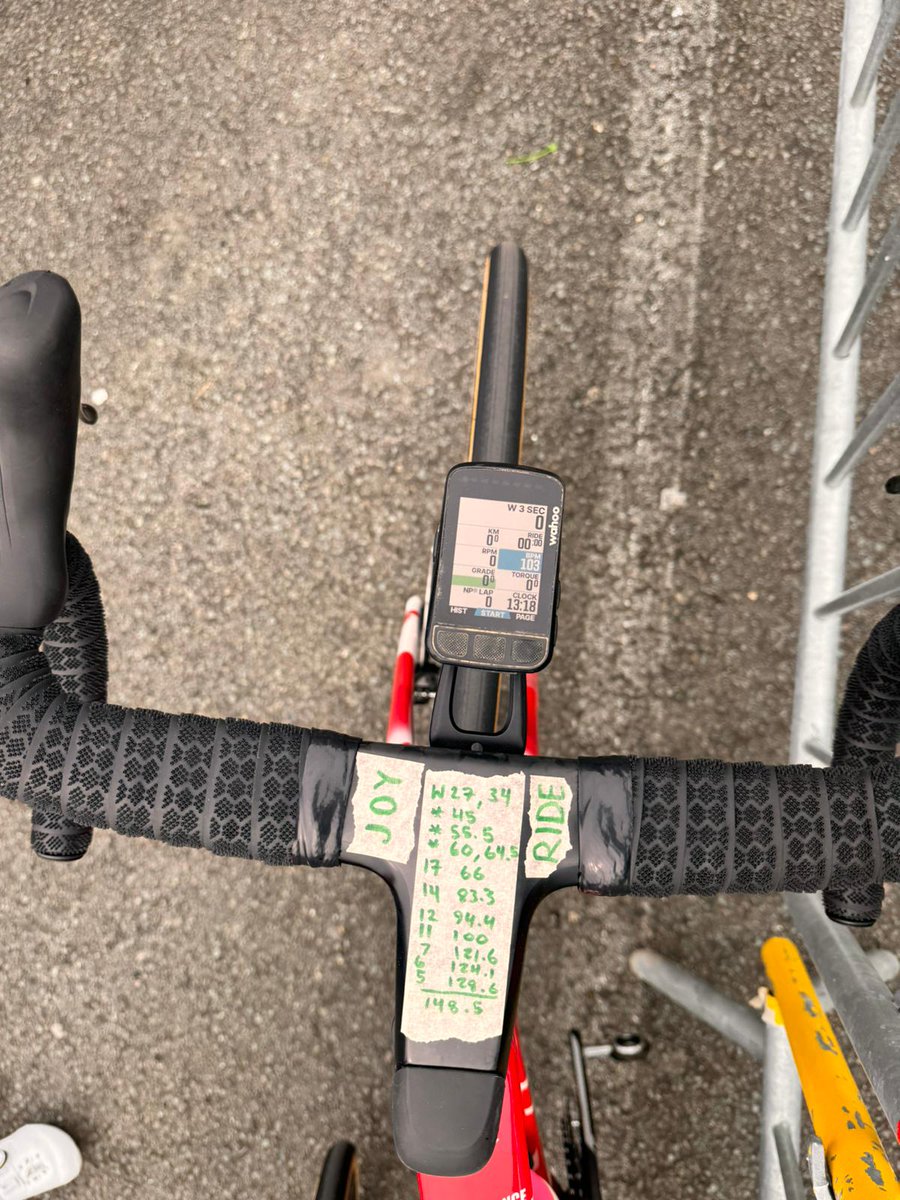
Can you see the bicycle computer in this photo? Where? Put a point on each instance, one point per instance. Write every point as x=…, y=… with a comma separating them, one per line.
x=496, y=576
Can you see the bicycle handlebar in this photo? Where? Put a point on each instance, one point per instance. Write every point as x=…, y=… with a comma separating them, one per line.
x=283, y=795
x=279, y=794
x=286, y=796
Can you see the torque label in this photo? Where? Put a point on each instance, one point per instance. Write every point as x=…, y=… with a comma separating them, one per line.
x=549, y=804
x=384, y=802
x=463, y=904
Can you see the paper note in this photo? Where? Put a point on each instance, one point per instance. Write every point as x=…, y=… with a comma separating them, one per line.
x=549, y=805
x=384, y=802
x=463, y=906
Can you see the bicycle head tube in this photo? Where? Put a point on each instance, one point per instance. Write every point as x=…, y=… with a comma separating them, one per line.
x=40, y=351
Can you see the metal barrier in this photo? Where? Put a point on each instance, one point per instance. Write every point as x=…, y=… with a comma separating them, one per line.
x=853, y=289
x=854, y=982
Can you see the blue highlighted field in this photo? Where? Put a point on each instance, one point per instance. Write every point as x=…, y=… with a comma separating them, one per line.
x=499, y=613
x=518, y=560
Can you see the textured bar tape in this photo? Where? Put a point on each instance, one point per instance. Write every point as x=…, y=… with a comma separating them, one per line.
x=865, y=737
x=755, y=828
x=230, y=786
x=76, y=649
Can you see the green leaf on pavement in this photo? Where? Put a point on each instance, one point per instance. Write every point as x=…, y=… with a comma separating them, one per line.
x=522, y=160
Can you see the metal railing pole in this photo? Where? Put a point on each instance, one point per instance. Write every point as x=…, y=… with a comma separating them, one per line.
x=845, y=272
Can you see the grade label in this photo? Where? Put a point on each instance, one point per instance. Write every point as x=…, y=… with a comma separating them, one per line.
x=463, y=905
x=384, y=802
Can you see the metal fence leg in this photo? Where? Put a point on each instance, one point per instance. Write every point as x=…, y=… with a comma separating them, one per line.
x=882, y=152
x=791, y=1175
x=781, y=1104
x=878, y=276
x=887, y=23
x=737, y=1022
x=883, y=413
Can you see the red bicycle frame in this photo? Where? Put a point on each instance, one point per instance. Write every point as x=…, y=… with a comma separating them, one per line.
x=517, y=1169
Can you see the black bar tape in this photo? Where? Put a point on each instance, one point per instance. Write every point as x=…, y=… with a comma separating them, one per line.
x=796, y=828
x=156, y=813
x=119, y=763
x=147, y=774
x=877, y=855
x=326, y=775
x=637, y=804
x=828, y=847
x=28, y=761
x=777, y=831
x=81, y=714
x=76, y=649
x=606, y=820
x=209, y=799
x=75, y=643
x=866, y=736
x=728, y=865
x=682, y=826
x=868, y=723
x=258, y=776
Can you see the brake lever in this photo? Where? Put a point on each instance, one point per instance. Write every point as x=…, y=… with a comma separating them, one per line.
x=40, y=394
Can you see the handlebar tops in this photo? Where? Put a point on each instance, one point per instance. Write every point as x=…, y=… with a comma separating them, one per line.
x=467, y=843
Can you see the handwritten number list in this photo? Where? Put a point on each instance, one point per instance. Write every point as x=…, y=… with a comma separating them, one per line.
x=463, y=906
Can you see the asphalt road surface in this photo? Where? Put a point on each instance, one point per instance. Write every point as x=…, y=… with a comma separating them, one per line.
x=275, y=214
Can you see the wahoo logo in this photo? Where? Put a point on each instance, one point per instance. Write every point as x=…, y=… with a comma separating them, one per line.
x=521, y=1194
x=554, y=524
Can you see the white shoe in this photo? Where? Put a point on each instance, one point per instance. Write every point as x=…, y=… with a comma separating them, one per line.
x=35, y=1159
